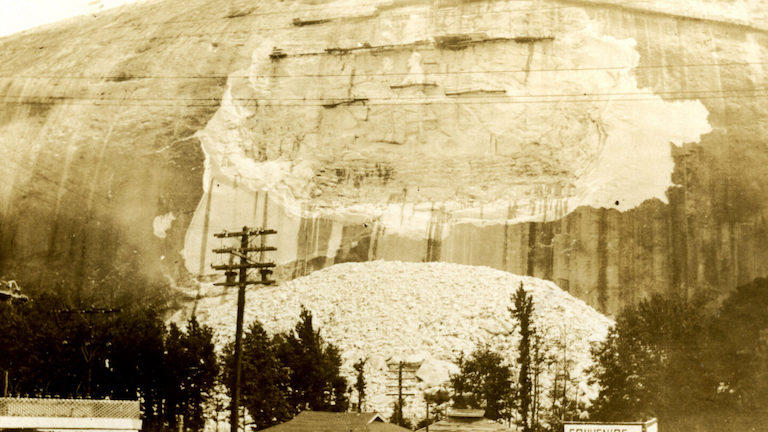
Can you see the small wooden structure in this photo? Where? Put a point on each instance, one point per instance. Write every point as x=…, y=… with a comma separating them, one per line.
x=466, y=420
x=65, y=415
x=321, y=421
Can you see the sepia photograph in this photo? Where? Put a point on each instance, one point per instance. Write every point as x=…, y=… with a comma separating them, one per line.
x=384, y=215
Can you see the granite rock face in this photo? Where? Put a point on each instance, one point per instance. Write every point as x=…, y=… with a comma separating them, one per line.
x=617, y=150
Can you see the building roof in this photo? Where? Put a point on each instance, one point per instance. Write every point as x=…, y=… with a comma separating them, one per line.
x=75, y=408
x=69, y=415
x=465, y=413
x=466, y=420
x=321, y=421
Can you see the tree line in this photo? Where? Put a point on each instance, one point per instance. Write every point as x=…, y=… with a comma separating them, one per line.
x=48, y=350
x=697, y=363
x=691, y=362
x=514, y=392
x=287, y=373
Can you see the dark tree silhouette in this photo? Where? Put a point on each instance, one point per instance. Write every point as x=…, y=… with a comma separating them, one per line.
x=314, y=366
x=483, y=381
x=288, y=373
x=522, y=313
x=653, y=363
x=54, y=349
x=265, y=383
x=739, y=347
x=360, y=383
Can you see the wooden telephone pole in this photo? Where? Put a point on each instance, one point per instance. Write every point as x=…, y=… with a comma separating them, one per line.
x=399, y=368
x=242, y=282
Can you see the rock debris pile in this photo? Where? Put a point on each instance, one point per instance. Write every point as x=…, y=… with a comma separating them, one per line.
x=422, y=313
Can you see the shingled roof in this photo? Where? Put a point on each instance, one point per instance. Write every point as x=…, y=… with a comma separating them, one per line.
x=466, y=420
x=320, y=421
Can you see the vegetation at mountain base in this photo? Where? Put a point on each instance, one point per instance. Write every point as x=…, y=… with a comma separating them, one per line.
x=360, y=383
x=287, y=373
x=53, y=350
x=676, y=358
x=265, y=380
x=397, y=415
x=522, y=313
x=484, y=381
x=437, y=401
x=691, y=362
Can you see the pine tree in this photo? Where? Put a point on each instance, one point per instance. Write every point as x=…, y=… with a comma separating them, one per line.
x=265, y=381
x=563, y=404
x=522, y=312
x=483, y=381
x=652, y=363
x=315, y=377
x=136, y=362
x=201, y=369
x=397, y=415
x=174, y=366
x=460, y=386
x=360, y=383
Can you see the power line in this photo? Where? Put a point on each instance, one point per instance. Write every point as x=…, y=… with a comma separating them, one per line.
x=344, y=100
x=377, y=74
x=448, y=102
x=332, y=102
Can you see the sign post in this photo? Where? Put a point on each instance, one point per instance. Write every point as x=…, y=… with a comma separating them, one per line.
x=649, y=426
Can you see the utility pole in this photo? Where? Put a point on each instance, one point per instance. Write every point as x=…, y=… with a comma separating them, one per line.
x=242, y=282
x=410, y=369
x=400, y=393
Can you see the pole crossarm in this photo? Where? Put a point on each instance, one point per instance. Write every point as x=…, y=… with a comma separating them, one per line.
x=250, y=232
x=250, y=282
x=246, y=250
x=242, y=266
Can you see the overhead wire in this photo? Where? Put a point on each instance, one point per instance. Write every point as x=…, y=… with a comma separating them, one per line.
x=381, y=74
x=447, y=100
x=363, y=99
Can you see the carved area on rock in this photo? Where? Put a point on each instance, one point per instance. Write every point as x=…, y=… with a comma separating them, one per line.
x=437, y=110
x=299, y=122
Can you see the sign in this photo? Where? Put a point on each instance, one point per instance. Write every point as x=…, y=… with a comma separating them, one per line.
x=649, y=426
x=590, y=427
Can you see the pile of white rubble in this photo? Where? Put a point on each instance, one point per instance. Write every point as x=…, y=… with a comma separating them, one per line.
x=425, y=313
